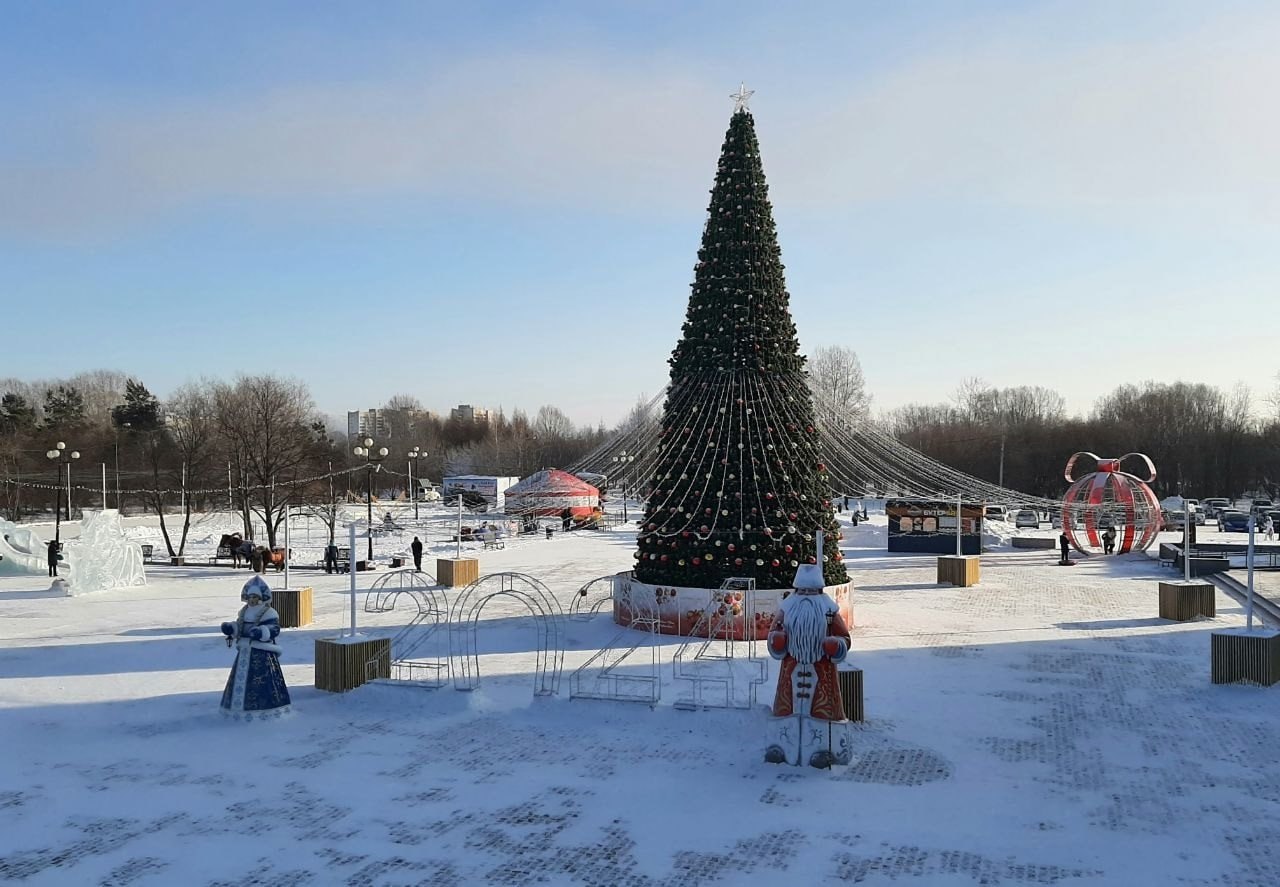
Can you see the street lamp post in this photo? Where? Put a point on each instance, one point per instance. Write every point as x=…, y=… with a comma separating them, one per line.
x=414, y=455
x=372, y=463
x=59, y=453
x=624, y=460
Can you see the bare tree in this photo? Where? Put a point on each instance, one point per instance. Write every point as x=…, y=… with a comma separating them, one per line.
x=836, y=373
x=102, y=390
x=551, y=422
x=266, y=424
x=403, y=402
x=193, y=435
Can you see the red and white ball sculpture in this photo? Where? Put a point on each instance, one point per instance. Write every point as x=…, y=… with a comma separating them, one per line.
x=1109, y=493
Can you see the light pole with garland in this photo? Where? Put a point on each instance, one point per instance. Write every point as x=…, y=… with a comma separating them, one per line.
x=372, y=463
x=63, y=457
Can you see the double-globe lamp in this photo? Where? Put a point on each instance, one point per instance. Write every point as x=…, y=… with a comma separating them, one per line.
x=373, y=462
x=59, y=452
x=623, y=460
x=414, y=455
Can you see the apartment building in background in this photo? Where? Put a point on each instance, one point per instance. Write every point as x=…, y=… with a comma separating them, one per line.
x=465, y=412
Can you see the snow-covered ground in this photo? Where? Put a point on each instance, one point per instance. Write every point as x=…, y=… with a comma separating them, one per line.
x=1043, y=727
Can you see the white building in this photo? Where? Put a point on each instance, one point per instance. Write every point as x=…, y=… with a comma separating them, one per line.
x=367, y=423
x=465, y=412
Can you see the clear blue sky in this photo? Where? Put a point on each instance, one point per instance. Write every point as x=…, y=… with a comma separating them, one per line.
x=500, y=203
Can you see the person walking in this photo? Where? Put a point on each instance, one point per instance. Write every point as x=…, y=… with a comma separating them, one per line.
x=53, y=557
x=566, y=518
x=1269, y=527
x=1065, y=542
x=416, y=548
x=330, y=557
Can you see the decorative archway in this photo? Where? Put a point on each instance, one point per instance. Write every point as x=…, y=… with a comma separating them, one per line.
x=591, y=598
x=415, y=660
x=464, y=661
x=382, y=594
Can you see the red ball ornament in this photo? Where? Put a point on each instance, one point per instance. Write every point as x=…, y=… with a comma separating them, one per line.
x=697, y=561
x=778, y=642
x=737, y=561
x=663, y=559
x=731, y=548
x=788, y=549
x=776, y=562
x=704, y=528
x=822, y=467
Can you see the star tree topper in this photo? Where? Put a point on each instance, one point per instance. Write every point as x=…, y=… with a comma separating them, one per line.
x=741, y=97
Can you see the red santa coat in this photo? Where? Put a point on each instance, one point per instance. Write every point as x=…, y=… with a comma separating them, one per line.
x=817, y=679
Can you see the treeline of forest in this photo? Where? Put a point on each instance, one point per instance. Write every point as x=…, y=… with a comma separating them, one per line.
x=258, y=445
x=255, y=444
x=1204, y=441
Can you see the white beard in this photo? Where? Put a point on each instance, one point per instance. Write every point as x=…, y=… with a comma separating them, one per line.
x=805, y=619
x=252, y=614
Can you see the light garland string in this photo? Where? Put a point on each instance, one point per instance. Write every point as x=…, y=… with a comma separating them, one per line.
x=243, y=488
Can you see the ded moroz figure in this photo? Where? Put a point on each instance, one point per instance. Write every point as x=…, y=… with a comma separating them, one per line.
x=256, y=687
x=810, y=636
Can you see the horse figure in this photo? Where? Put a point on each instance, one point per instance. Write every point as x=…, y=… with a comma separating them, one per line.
x=232, y=541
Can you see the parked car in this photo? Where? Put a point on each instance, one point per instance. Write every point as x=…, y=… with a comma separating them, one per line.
x=1026, y=518
x=1055, y=520
x=1197, y=511
x=1233, y=522
x=1211, y=507
x=995, y=512
x=1173, y=520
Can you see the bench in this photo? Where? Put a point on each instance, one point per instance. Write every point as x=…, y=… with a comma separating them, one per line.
x=222, y=554
x=492, y=541
x=147, y=552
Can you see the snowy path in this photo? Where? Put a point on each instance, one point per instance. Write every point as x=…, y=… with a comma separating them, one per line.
x=1041, y=728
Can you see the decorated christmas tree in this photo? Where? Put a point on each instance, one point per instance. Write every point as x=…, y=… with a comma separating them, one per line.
x=738, y=487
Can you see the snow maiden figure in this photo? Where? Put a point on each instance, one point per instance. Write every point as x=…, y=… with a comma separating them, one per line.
x=810, y=637
x=256, y=687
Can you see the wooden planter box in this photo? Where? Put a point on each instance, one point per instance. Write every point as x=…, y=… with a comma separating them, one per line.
x=850, y=680
x=345, y=663
x=959, y=570
x=1243, y=657
x=293, y=605
x=1181, y=601
x=457, y=571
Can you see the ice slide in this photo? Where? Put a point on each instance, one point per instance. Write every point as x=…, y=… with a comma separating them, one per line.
x=103, y=557
x=22, y=552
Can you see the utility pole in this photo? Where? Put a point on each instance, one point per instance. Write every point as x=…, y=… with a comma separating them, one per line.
x=1000, y=482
